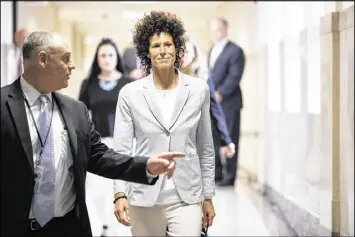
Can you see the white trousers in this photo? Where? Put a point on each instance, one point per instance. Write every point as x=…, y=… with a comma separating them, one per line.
x=180, y=219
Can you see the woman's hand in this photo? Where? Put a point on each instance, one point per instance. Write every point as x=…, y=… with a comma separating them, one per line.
x=208, y=213
x=122, y=212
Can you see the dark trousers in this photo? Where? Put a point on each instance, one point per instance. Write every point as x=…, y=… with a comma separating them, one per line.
x=68, y=225
x=233, y=124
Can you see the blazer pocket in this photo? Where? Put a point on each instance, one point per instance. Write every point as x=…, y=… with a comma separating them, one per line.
x=191, y=156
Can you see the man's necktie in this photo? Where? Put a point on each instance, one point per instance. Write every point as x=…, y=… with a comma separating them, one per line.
x=44, y=199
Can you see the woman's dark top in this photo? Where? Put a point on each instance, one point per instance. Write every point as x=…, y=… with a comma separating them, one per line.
x=102, y=103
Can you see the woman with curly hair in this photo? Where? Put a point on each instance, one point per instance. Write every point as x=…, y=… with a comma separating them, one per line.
x=165, y=111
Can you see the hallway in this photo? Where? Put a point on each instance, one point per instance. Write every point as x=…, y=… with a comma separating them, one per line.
x=239, y=212
x=297, y=122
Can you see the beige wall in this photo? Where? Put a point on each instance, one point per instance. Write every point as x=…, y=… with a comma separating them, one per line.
x=346, y=114
x=337, y=34
x=291, y=153
x=37, y=17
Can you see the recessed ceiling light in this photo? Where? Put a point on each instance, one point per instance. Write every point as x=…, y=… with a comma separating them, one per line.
x=89, y=40
x=104, y=16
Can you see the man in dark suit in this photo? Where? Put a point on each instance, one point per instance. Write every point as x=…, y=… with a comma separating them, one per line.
x=226, y=65
x=42, y=184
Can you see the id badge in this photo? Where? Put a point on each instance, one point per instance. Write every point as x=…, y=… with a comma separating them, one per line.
x=38, y=178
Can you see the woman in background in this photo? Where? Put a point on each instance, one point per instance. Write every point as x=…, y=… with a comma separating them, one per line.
x=193, y=62
x=99, y=92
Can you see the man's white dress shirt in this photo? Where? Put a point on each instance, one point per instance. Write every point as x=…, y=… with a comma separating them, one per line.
x=216, y=51
x=64, y=183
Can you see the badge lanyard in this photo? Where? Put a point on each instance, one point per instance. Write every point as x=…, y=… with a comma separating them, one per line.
x=43, y=143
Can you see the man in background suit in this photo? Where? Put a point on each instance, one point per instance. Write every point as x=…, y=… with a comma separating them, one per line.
x=131, y=63
x=226, y=66
x=14, y=58
x=42, y=185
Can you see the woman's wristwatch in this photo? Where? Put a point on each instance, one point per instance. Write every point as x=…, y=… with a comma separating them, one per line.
x=118, y=196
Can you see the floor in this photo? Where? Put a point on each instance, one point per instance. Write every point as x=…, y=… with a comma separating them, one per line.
x=236, y=215
x=240, y=211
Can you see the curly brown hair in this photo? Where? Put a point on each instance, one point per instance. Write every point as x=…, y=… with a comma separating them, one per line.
x=157, y=22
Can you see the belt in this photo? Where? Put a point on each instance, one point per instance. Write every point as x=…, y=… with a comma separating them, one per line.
x=34, y=225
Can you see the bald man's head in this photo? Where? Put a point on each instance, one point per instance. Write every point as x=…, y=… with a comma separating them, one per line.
x=42, y=41
x=47, y=59
x=219, y=29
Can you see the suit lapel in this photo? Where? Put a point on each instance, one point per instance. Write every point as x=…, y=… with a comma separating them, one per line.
x=181, y=99
x=208, y=58
x=68, y=123
x=18, y=112
x=148, y=93
x=218, y=59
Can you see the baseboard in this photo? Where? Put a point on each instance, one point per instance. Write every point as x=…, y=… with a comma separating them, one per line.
x=273, y=218
x=301, y=221
x=297, y=220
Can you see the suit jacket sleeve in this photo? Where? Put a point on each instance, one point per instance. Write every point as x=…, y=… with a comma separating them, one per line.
x=205, y=148
x=83, y=94
x=110, y=164
x=217, y=116
x=123, y=135
x=235, y=73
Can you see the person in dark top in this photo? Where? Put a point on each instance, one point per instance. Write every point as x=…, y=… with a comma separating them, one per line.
x=99, y=92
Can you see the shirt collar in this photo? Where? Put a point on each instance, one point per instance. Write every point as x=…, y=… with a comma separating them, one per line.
x=30, y=92
x=151, y=79
x=222, y=43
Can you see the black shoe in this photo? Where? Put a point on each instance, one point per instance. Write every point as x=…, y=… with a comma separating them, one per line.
x=226, y=183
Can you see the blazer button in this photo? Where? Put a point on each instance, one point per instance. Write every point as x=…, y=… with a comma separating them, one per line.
x=167, y=134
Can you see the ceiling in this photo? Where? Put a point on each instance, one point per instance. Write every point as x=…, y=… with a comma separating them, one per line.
x=105, y=17
x=120, y=6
